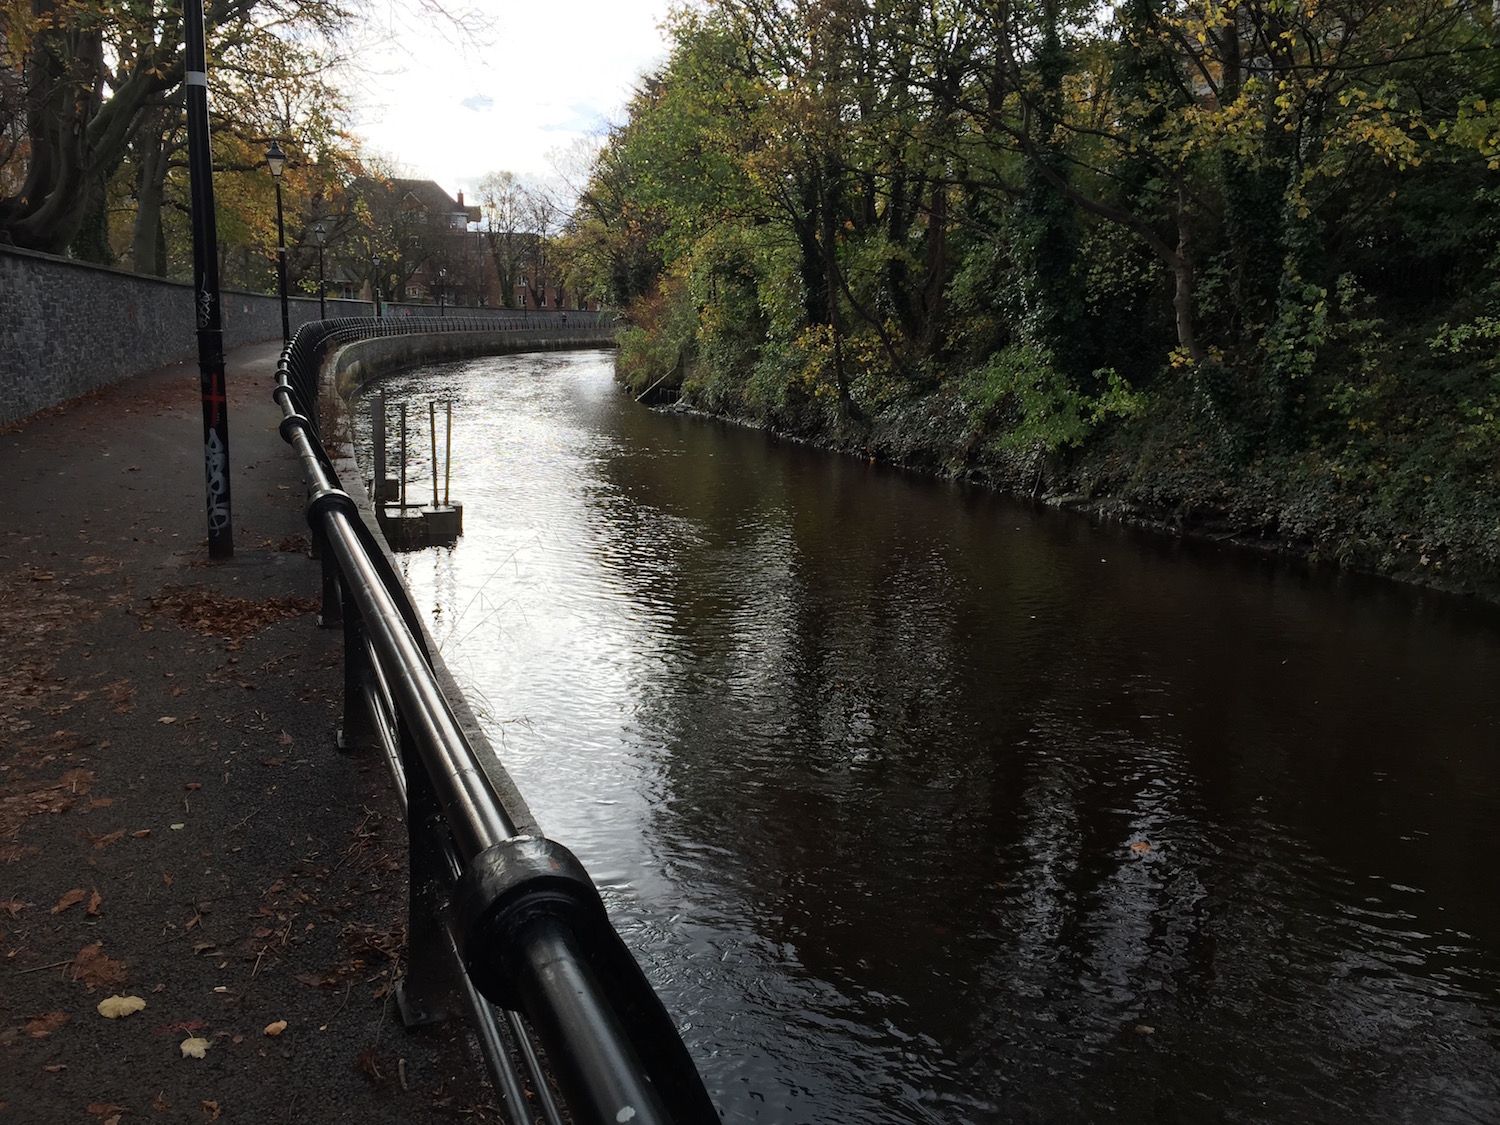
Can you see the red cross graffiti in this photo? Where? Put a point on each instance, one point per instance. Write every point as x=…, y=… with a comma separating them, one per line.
x=216, y=397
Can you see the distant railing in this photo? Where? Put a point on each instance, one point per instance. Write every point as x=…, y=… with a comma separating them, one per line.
x=509, y=924
x=303, y=357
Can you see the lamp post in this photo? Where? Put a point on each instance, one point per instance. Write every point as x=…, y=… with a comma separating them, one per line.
x=276, y=161
x=375, y=283
x=320, y=236
x=442, y=290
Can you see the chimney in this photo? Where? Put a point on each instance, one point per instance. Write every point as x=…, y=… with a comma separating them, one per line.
x=460, y=197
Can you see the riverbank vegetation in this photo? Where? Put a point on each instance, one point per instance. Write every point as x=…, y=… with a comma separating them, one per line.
x=1227, y=266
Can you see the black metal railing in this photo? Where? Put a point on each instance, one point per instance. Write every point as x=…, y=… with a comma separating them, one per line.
x=508, y=924
x=303, y=357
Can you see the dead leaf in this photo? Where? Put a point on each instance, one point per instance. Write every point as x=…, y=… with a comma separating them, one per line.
x=140, y=835
x=72, y=898
x=14, y=906
x=94, y=969
x=55, y=1068
x=120, y=694
x=99, y=1109
x=284, y=738
x=1140, y=847
x=212, y=1109
x=101, y=842
x=95, y=900
x=193, y=786
x=165, y=878
x=167, y=719
x=101, y=802
x=160, y=1103
x=118, y=1007
x=271, y=763
x=367, y=1063
x=39, y=1027
x=1145, y=1029
x=194, y=1047
x=275, y=1029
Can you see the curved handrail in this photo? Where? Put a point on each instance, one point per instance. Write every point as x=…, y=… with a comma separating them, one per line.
x=518, y=911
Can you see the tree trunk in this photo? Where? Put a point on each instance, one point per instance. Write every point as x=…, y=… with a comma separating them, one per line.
x=151, y=176
x=1182, y=274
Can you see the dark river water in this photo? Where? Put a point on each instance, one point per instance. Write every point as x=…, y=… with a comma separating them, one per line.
x=920, y=805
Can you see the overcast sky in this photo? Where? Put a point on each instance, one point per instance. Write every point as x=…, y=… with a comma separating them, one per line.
x=552, y=71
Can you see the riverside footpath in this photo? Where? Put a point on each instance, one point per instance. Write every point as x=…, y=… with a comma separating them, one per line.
x=176, y=824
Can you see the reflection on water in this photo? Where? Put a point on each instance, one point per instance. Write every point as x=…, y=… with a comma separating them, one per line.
x=922, y=806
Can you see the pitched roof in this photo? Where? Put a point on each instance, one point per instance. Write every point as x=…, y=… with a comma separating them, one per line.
x=427, y=195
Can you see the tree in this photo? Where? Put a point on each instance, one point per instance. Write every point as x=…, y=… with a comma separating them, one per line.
x=502, y=201
x=86, y=76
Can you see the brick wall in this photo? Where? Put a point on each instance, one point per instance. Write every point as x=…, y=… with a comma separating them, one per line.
x=67, y=327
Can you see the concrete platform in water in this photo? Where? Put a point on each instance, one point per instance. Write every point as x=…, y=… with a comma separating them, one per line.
x=413, y=526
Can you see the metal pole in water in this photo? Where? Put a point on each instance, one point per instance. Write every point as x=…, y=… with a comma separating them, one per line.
x=403, y=457
x=377, y=434
x=448, y=455
x=432, y=432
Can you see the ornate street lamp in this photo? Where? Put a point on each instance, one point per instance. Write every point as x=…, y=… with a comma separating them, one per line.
x=375, y=282
x=442, y=290
x=276, y=161
x=320, y=236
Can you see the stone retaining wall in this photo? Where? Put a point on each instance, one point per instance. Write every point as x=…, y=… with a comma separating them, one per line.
x=68, y=327
x=364, y=360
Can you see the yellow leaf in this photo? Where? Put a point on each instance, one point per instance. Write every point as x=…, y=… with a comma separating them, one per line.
x=118, y=1007
x=194, y=1048
x=275, y=1029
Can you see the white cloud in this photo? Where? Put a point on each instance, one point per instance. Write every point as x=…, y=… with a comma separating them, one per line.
x=551, y=72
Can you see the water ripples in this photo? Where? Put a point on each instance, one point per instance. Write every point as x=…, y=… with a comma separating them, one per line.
x=918, y=806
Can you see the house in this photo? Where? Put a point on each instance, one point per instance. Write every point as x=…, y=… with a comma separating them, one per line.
x=422, y=236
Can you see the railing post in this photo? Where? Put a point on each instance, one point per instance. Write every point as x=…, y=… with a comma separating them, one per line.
x=333, y=597
x=358, y=731
x=427, y=991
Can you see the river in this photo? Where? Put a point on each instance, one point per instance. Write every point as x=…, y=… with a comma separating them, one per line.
x=922, y=805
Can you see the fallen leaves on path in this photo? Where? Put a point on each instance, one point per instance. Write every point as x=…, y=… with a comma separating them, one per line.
x=37, y=622
x=39, y=1027
x=28, y=800
x=95, y=969
x=219, y=615
x=118, y=1007
x=72, y=898
x=101, y=842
